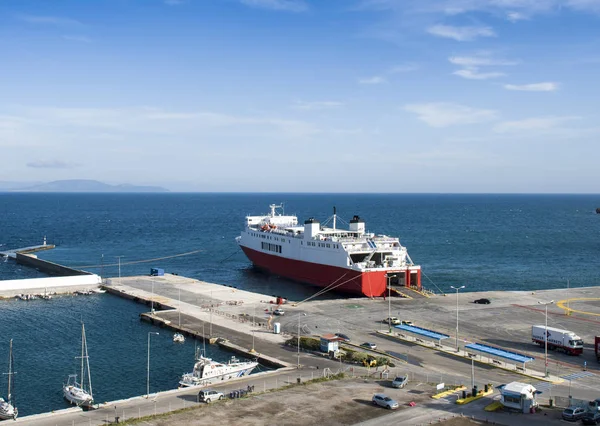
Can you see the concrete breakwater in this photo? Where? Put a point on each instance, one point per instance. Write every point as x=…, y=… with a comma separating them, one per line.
x=62, y=278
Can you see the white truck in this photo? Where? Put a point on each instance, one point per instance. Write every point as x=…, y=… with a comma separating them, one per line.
x=557, y=339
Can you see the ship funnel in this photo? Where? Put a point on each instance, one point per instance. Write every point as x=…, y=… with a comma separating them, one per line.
x=334, y=217
x=357, y=224
x=311, y=228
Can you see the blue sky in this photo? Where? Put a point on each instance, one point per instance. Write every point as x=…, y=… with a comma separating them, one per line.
x=303, y=95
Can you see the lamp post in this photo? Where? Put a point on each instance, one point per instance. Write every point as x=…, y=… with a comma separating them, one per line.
x=148, y=368
x=457, y=288
x=546, y=335
x=299, y=315
x=390, y=303
x=119, y=260
x=152, y=299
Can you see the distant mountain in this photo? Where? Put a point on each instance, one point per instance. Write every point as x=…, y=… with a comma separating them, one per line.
x=78, y=185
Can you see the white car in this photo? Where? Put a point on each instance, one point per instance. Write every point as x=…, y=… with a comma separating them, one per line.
x=209, y=396
x=278, y=311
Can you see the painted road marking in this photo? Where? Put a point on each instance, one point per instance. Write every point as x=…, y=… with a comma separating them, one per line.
x=569, y=310
x=578, y=375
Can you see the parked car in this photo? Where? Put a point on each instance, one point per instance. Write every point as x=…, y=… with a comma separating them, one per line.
x=591, y=418
x=385, y=401
x=573, y=413
x=399, y=382
x=404, y=322
x=342, y=336
x=483, y=301
x=278, y=311
x=391, y=320
x=209, y=396
x=368, y=345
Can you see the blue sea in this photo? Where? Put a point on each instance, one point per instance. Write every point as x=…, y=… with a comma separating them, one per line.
x=485, y=242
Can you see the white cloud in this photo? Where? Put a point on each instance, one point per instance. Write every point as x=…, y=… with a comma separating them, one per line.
x=516, y=16
x=547, y=86
x=52, y=164
x=533, y=124
x=472, y=65
x=524, y=8
x=443, y=114
x=317, y=105
x=479, y=61
x=473, y=74
x=51, y=20
x=153, y=120
x=372, y=80
x=461, y=33
x=285, y=5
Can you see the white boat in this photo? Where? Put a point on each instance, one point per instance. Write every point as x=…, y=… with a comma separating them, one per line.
x=78, y=393
x=178, y=337
x=206, y=371
x=349, y=260
x=7, y=409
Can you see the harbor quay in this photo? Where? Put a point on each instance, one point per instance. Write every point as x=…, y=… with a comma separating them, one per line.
x=245, y=323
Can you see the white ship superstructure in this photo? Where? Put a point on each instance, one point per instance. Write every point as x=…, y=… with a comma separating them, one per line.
x=206, y=371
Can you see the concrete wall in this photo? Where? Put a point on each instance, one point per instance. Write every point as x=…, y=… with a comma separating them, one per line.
x=10, y=288
x=47, y=267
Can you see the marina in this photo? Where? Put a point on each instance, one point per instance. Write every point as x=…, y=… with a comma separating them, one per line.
x=238, y=321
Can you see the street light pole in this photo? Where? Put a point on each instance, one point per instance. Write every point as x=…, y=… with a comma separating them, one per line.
x=546, y=336
x=299, y=315
x=148, y=367
x=457, y=288
x=390, y=303
x=119, y=259
x=152, y=299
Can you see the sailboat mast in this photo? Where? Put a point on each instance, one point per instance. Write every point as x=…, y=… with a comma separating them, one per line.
x=9, y=396
x=179, y=308
x=87, y=361
x=82, y=377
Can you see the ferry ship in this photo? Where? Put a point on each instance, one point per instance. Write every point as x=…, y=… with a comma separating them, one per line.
x=349, y=260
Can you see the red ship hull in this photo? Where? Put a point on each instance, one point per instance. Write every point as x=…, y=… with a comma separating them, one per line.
x=367, y=283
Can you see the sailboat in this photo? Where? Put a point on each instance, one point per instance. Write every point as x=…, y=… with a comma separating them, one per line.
x=78, y=393
x=178, y=337
x=7, y=409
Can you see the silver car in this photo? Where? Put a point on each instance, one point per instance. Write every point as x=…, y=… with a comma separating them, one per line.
x=385, y=401
x=573, y=413
x=399, y=382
